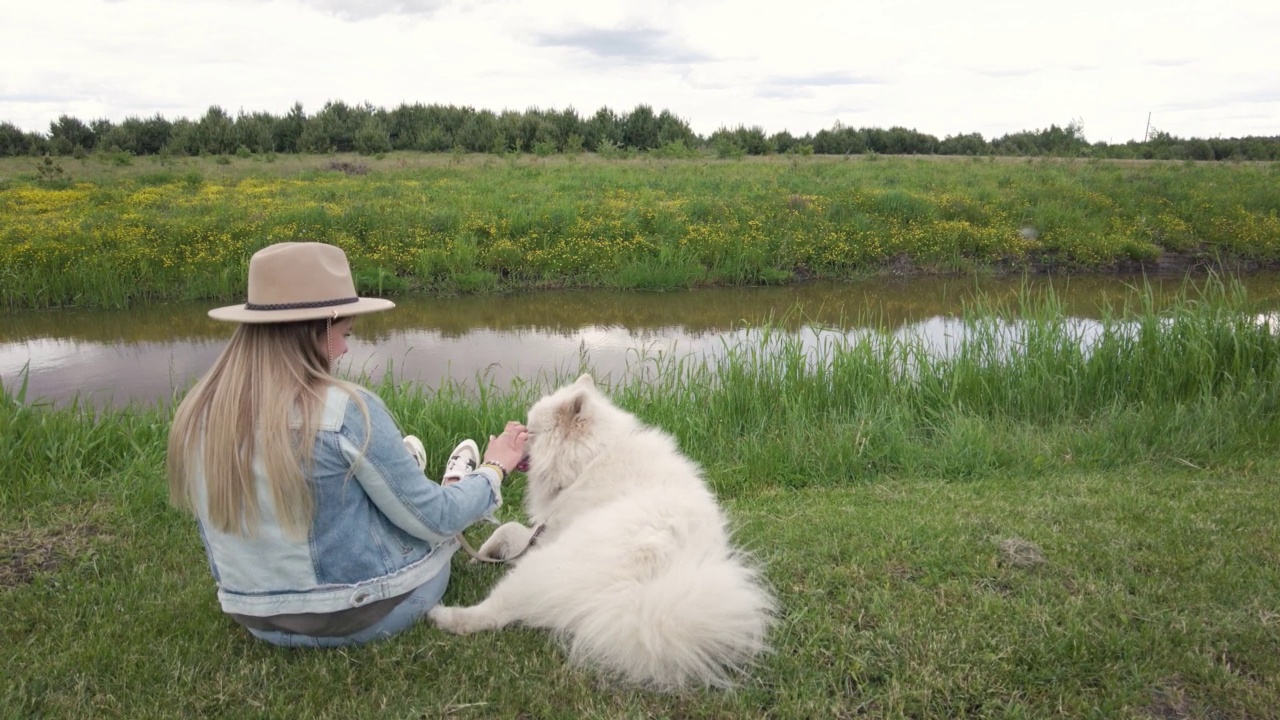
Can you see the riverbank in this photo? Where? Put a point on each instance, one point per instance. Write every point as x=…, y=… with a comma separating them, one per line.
x=1052, y=533
x=104, y=235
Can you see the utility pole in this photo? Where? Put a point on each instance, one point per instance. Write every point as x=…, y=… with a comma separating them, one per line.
x=1147, y=133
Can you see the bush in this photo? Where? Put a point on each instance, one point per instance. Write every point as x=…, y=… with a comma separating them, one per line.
x=49, y=172
x=674, y=149
x=119, y=158
x=728, y=150
x=373, y=138
x=609, y=150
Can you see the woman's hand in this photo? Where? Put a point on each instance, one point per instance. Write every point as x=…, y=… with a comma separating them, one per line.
x=507, y=450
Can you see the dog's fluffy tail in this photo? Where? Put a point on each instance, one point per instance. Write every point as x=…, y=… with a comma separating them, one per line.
x=674, y=619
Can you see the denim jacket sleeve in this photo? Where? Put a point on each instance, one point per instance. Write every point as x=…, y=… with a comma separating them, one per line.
x=390, y=477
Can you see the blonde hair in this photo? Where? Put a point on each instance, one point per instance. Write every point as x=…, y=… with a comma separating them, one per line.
x=269, y=378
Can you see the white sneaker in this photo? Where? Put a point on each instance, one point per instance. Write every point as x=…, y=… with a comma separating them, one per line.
x=416, y=449
x=462, y=462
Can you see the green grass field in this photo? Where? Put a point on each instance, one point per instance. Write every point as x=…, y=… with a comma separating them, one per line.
x=1049, y=533
x=105, y=235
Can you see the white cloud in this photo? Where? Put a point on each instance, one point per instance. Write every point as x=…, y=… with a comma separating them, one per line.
x=627, y=45
x=365, y=9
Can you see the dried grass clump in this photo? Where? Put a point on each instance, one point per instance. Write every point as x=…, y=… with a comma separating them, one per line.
x=1019, y=553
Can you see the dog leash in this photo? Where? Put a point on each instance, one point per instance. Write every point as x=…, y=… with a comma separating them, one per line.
x=466, y=546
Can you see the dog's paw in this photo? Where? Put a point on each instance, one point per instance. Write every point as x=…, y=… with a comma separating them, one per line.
x=442, y=617
x=493, y=549
x=506, y=542
x=451, y=619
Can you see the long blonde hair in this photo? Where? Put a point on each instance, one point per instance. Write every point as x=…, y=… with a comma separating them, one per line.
x=269, y=378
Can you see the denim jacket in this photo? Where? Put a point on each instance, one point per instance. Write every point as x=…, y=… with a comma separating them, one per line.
x=378, y=535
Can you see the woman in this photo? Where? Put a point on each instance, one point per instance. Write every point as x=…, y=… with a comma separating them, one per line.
x=320, y=527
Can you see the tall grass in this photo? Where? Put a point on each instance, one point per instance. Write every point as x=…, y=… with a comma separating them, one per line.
x=1189, y=384
x=414, y=225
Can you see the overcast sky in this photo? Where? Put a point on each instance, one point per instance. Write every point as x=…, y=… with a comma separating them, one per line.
x=1201, y=69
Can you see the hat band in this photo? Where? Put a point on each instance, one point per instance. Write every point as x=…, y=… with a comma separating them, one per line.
x=302, y=305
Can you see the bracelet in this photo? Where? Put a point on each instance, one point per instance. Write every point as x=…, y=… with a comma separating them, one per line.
x=502, y=472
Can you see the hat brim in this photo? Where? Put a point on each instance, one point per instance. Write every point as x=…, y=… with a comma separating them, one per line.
x=238, y=313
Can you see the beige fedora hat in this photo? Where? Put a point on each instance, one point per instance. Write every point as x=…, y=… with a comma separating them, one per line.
x=294, y=281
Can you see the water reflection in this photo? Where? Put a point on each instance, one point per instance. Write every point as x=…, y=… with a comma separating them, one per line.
x=143, y=355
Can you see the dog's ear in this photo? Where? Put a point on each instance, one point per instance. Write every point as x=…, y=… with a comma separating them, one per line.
x=572, y=408
x=585, y=380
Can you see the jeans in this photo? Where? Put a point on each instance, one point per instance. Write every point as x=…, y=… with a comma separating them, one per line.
x=401, y=618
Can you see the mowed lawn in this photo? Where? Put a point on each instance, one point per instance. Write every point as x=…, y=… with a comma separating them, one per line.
x=1139, y=592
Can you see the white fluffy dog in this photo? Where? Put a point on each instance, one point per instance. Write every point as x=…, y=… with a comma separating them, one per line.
x=633, y=567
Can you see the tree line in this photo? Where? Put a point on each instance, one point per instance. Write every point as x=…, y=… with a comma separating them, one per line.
x=340, y=127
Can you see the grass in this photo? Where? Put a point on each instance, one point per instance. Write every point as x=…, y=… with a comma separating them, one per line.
x=1042, y=533
x=111, y=236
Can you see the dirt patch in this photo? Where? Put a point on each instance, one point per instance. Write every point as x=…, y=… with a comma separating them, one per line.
x=1168, y=263
x=28, y=552
x=348, y=168
x=1168, y=703
x=901, y=266
x=798, y=203
x=904, y=573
